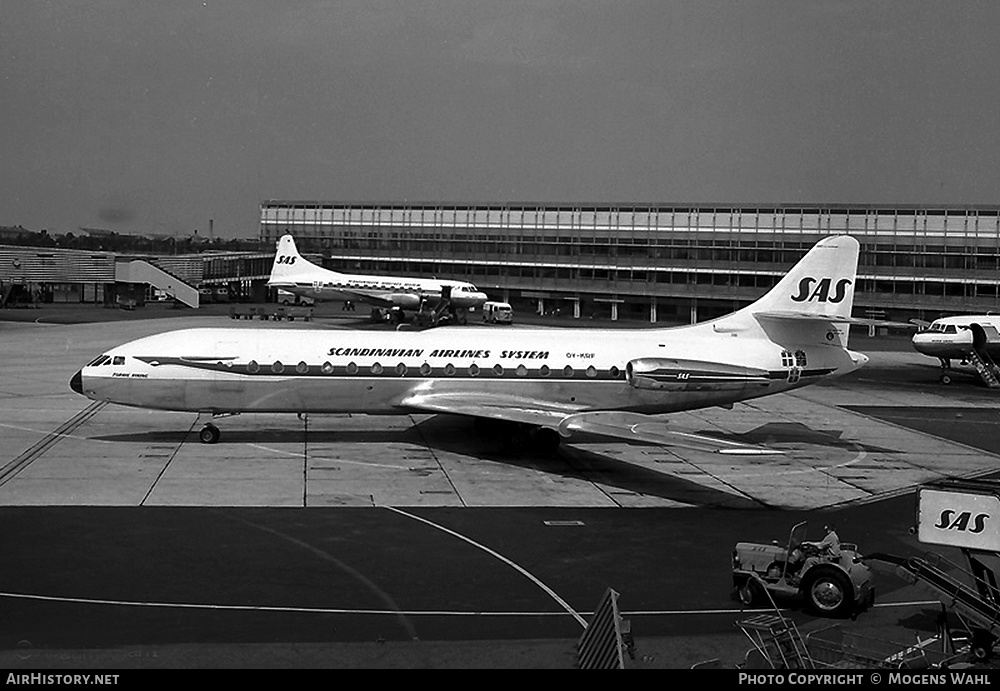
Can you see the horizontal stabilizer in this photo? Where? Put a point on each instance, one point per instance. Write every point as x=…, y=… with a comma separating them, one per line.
x=828, y=319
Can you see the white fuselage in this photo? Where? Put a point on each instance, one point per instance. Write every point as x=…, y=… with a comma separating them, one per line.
x=406, y=293
x=275, y=370
x=953, y=338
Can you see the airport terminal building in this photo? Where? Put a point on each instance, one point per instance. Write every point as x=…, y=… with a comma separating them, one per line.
x=31, y=274
x=670, y=263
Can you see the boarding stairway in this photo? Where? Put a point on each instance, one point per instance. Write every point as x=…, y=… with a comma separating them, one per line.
x=17, y=294
x=433, y=317
x=142, y=271
x=986, y=367
x=983, y=337
x=977, y=606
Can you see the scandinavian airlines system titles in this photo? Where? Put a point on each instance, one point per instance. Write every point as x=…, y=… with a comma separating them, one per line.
x=438, y=353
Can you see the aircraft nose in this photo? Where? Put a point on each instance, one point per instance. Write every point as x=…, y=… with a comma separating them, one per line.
x=76, y=383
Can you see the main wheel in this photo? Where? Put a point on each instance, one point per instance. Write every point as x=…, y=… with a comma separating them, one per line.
x=209, y=434
x=828, y=591
x=545, y=441
x=982, y=644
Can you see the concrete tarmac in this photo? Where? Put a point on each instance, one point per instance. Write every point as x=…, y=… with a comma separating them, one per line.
x=408, y=541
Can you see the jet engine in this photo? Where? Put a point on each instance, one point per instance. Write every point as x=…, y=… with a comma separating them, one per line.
x=407, y=301
x=669, y=374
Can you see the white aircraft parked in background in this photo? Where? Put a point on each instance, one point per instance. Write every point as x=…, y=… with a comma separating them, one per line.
x=432, y=299
x=971, y=339
x=549, y=383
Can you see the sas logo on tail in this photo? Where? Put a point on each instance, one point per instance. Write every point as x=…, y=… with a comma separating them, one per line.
x=818, y=290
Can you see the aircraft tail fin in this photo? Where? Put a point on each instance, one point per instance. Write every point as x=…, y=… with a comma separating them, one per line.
x=288, y=263
x=820, y=284
x=817, y=292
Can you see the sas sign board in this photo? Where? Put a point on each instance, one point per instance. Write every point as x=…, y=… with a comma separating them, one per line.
x=959, y=519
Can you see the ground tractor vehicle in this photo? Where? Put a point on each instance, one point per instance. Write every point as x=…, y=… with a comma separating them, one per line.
x=830, y=586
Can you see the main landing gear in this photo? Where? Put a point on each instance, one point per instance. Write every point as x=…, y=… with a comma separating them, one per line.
x=519, y=439
x=209, y=434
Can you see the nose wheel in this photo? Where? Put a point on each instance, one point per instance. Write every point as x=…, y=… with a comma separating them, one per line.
x=209, y=434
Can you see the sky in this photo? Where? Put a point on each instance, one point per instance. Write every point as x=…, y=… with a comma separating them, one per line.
x=154, y=117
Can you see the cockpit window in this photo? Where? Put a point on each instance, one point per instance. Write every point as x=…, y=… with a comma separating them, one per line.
x=119, y=360
x=938, y=327
x=97, y=361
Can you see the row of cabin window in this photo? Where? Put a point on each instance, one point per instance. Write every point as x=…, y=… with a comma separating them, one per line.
x=425, y=369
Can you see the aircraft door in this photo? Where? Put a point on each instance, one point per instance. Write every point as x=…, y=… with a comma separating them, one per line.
x=227, y=389
x=979, y=337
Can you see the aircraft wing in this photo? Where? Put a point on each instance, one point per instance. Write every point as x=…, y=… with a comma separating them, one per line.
x=565, y=420
x=509, y=408
x=653, y=429
x=367, y=298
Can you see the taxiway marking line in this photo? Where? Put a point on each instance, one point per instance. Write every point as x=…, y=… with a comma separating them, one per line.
x=386, y=612
x=27, y=457
x=524, y=572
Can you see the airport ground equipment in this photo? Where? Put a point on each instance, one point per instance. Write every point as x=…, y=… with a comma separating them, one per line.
x=832, y=586
x=838, y=647
x=984, y=338
x=497, y=313
x=442, y=313
x=986, y=367
x=265, y=313
x=973, y=598
x=963, y=514
x=608, y=637
x=777, y=643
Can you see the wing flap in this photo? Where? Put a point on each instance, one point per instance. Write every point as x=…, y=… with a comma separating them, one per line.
x=510, y=408
x=653, y=430
x=567, y=421
x=369, y=298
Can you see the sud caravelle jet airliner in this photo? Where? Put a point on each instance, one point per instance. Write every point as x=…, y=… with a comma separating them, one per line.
x=971, y=339
x=433, y=300
x=548, y=383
